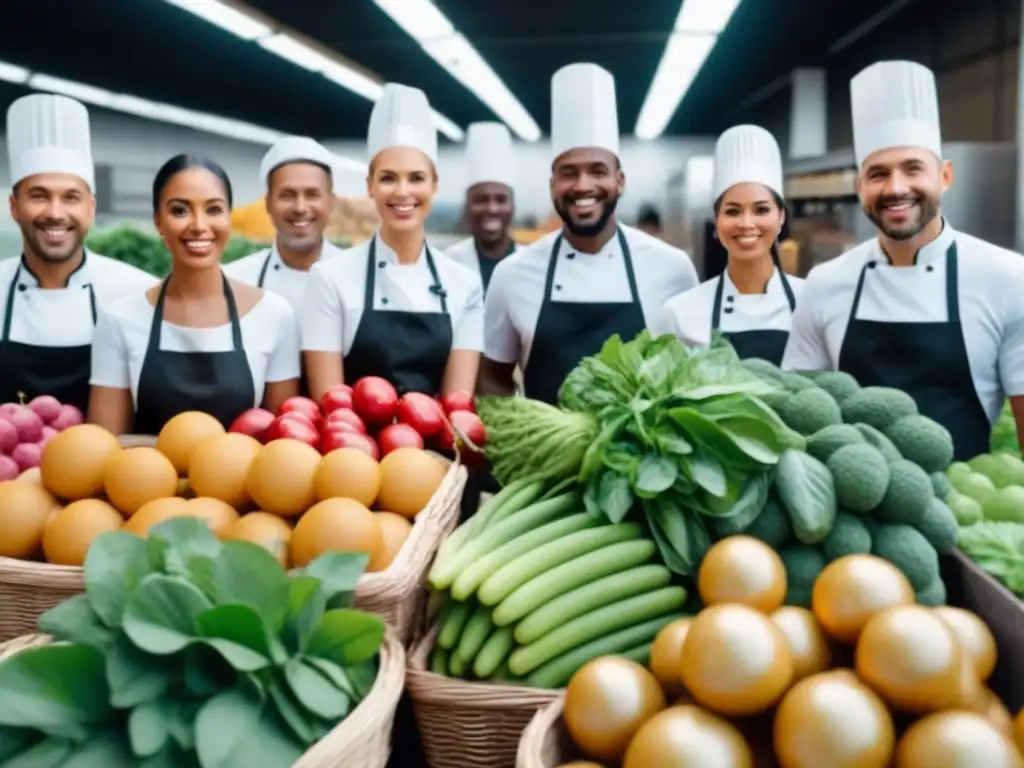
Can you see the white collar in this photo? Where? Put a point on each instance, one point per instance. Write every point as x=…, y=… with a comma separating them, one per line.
x=610, y=248
x=28, y=279
x=926, y=254
x=384, y=252
x=728, y=287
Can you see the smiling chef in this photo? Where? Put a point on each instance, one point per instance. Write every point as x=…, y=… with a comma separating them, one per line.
x=922, y=307
x=51, y=293
x=559, y=299
x=490, y=201
x=751, y=303
x=298, y=176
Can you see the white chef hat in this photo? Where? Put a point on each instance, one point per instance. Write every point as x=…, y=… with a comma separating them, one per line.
x=402, y=118
x=584, y=112
x=295, y=149
x=745, y=154
x=894, y=104
x=47, y=133
x=489, y=154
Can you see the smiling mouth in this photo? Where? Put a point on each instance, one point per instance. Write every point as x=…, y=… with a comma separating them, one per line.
x=900, y=207
x=301, y=223
x=55, y=232
x=198, y=247
x=747, y=239
x=584, y=205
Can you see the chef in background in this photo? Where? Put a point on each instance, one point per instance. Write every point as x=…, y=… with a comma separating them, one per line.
x=393, y=306
x=649, y=220
x=923, y=308
x=557, y=300
x=51, y=294
x=298, y=177
x=751, y=303
x=490, y=200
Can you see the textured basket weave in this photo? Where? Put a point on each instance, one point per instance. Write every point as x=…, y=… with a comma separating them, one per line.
x=465, y=724
x=28, y=589
x=361, y=740
x=545, y=742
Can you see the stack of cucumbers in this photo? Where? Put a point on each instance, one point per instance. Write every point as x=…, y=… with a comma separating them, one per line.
x=534, y=586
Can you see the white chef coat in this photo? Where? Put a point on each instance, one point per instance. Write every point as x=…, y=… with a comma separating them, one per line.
x=464, y=252
x=516, y=291
x=63, y=318
x=270, y=335
x=689, y=315
x=279, y=277
x=335, y=299
x=990, y=291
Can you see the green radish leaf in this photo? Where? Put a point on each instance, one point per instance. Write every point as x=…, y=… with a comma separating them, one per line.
x=242, y=631
x=306, y=607
x=74, y=621
x=807, y=492
x=655, y=475
x=172, y=543
x=315, y=691
x=615, y=495
x=623, y=456
x=134, y=676
x=161, y=615
x=708, y=473
x=109, y=749
x=116, y=563
x=298, y=720
x=179, y=717
x=14, y=741
x=59, y=690
x=234, y=731
x=681, y=536
x=346, y=636
x=363, y=675
x=205, y=671
x=48, y=753
x=249, y=575
x=337, y=674
x=147, y=731
x=339, y=573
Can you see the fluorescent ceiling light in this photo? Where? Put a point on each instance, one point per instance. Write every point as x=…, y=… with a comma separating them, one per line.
x=13, y=74
x=439, y=38
x=694, y=35
x=295, y=51
x=224, y=16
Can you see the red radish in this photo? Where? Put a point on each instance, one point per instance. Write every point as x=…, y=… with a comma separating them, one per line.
x=254, y=422
x=28, y=424
x=8, y=408
x=468, y=424
x=294, y=426
x=69, y=416
x=458, y=401
x=337, y=438
x=47, y=406
x=398, y=436
x=375, y=400
x=422, y=413
x=27, y=455
x=338, y=396
x=9, y=469
x=302, y=405
x=8, y=436
x=48, y=434
x=344, y=418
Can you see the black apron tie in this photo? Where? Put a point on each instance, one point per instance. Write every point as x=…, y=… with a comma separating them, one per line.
x=566, y=332
x=409, y=349
x=217, y=383
x=928, y=361
x=766, y=343
x=28, y=370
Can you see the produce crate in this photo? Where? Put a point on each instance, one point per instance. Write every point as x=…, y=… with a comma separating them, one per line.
x=466, y=724
x=545, y=742
x=29, y=589
x=361, y=740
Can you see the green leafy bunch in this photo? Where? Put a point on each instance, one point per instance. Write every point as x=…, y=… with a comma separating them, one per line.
x=185, y=651
x=683, y=431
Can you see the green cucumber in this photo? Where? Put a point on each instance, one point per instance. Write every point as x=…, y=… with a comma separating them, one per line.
x=526, y=493
x=530, y=564
x=493, y=653
x=456, y=665
x=568, y=576
x=469, y=580
x=439, y=661
x=641, y=654
x=589, y=597
x=444, y=573
x=603, y=621
x=474, y=634
x=559, y=670
x=451, y=630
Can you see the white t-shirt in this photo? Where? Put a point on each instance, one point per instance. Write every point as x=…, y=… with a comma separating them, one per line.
x=63, y=317
x=991, y=296
x=689, y=315
x=270, y=336
x=464, y=252
x=279, y=277
x=334, y=303
x=516, y=292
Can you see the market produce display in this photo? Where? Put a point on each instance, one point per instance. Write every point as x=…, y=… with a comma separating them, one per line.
x=371, y=417
x=188, y=651
x=26, y=428
x=865, y=678
x=283, y=496
x=1004, y=432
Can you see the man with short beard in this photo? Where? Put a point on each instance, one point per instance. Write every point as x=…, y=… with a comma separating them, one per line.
x=559, y=299
x=921, y=308
x=297, y=175
x=490, y=201
x=51, y=295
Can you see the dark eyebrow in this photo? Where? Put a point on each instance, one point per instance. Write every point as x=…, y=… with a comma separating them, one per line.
x=186, y=202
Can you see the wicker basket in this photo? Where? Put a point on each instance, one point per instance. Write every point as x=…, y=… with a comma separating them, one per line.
x=465, y=724
x=28, y=589
x=545, y=742
x=361, y=740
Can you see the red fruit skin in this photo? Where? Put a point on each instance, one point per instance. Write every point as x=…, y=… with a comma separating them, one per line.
x=254, y=422
x=296, y=427
x=47, y=406
x=470, y=425
x=69, y=416
x=346, y=418
x=458, y=401
x=396, y=436
x=422, y=412
x=338, y=396
x=340, y=438
x=303, y=405
x=375, y=400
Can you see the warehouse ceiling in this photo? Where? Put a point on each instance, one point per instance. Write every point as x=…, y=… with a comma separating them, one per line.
x=154, y=50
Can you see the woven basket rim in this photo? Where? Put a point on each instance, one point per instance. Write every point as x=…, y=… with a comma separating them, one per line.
x=531, y=745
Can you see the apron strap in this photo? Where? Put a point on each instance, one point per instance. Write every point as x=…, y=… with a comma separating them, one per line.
x=716, y=307
x=787, y=288
x=236, y=323
x=437, y=288
x=952, y=285
x=627, y=260
x=371, y=278
x=158, y=316
x=9, y=305
x=263, y=270
x=549, y=280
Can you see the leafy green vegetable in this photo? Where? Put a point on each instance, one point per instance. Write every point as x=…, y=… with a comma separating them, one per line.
x=1004, y=432
x=997, y=548
x=187, y=652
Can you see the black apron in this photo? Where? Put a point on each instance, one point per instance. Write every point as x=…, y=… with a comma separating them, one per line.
x=928, y=361
x=766, y=343
x=27, y=370
x=567, y=332
x=217, y=383
x=303, y=382
x=487, y=265
x=409, y=349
